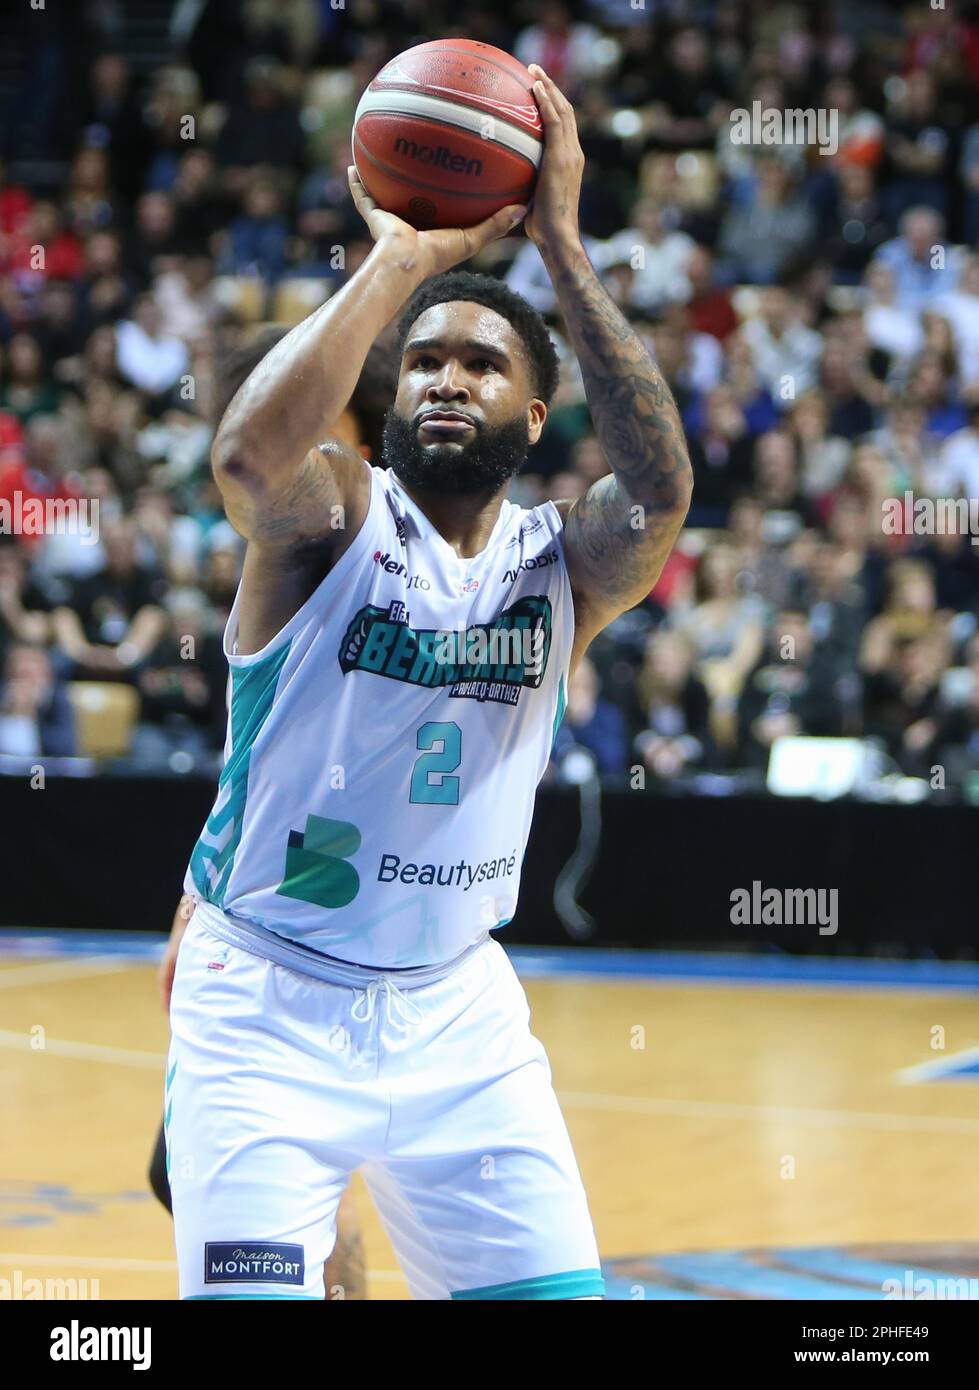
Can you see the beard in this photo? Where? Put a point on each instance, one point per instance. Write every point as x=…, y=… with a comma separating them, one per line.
x=484, y=464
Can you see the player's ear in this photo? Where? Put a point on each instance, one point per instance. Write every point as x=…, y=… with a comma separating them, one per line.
x=536, y=416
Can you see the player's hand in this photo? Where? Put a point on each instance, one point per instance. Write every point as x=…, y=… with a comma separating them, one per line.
x=183, y=914
x=432, y=252
x=553, y=214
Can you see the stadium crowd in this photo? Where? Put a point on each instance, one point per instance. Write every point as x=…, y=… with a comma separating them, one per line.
x=813, y=305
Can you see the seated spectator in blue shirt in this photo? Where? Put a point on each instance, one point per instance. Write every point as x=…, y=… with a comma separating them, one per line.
x=257, y=240
x=923, y=268
x=592, y=723
x=36, y=716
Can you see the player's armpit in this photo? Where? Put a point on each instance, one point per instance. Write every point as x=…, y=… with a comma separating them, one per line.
x=615, y=548
x=325, y=496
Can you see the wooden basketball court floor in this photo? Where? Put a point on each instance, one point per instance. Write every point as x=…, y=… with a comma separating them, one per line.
x=730, y=1114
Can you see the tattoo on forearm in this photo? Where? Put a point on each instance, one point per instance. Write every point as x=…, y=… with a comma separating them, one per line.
x=636, y=419
x=620, y=532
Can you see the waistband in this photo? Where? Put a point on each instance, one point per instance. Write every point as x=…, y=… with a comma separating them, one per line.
x=249, y=936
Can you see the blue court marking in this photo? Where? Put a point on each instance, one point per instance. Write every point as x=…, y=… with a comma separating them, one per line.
x=43, y=1204
x=840, y=1264
x=960, y=1066
x=733, y=968
x=25, y=942
x=703, y=967
x=734, y=1273
x=830, y=1273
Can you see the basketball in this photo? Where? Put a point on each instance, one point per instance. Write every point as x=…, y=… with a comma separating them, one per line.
x=448, y=133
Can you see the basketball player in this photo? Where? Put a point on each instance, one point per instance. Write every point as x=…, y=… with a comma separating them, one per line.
x=360, y=426
x=400, y=647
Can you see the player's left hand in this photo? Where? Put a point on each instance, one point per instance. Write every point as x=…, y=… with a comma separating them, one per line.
x=553, y=214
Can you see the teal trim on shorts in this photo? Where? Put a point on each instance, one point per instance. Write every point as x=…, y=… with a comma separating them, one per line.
x=575, y=1283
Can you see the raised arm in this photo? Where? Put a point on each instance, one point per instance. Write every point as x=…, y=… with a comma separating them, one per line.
x=617, y=536
x=280, y=471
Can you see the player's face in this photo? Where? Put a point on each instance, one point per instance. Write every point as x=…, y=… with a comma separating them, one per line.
x=465, y=363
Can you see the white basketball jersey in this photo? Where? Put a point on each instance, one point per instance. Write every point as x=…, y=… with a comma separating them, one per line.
x=384, y=748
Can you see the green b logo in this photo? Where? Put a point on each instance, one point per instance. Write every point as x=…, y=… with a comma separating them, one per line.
x=316, y=867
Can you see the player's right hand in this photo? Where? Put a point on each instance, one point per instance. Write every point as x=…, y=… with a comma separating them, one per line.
x=183, y=914
x=433, y=251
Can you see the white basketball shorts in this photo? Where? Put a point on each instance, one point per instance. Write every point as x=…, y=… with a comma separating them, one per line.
x=280, y=1085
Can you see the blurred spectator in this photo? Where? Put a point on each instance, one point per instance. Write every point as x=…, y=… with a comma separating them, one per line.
x=893, y=330
x=112, y=620
x=901, y=702
x=675, y=708
x=263, y=129
x=918, y=147
x=257, y=240
x=823, y=457
x=27, y=391
x=24, y=605
x=146, y=355
x=775, y=222
x=711, y=310
x=959, y=458
x=854, y=225
x=790, y=692
x=36, y=716
x=592, y=723
x=960, y=307
x=724, y=627
x=569, y=52
x=658, y=257
x=721, y=447
x=920, y=262
x=182, y=685
x=786, y=353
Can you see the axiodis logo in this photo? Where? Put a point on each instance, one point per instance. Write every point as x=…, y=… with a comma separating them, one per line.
x=391, y=566
x=440, y=155
x=532, y=562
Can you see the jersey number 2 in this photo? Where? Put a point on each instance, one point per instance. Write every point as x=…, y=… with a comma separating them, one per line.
x=444, y=791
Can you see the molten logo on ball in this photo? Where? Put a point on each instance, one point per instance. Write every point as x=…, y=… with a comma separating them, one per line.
x=441, y=156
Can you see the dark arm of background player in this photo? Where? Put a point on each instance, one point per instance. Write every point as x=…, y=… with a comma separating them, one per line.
x=617, y=536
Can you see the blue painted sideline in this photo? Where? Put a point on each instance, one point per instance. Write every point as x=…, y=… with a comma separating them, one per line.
x=724, y=968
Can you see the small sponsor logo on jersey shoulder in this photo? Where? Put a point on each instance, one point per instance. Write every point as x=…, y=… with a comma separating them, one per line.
x=527, y=529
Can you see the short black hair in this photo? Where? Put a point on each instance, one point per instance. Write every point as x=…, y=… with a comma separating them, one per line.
x=372, y=396
x=485, y=289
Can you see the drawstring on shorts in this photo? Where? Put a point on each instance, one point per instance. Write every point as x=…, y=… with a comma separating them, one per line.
x=394, y=999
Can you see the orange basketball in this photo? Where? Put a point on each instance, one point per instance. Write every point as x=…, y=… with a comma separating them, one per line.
x=448, y=133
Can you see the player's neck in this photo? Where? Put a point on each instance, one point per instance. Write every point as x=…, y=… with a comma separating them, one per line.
x=465, y=521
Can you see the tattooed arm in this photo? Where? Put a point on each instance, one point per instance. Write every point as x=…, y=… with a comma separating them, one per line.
x=617, y=536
